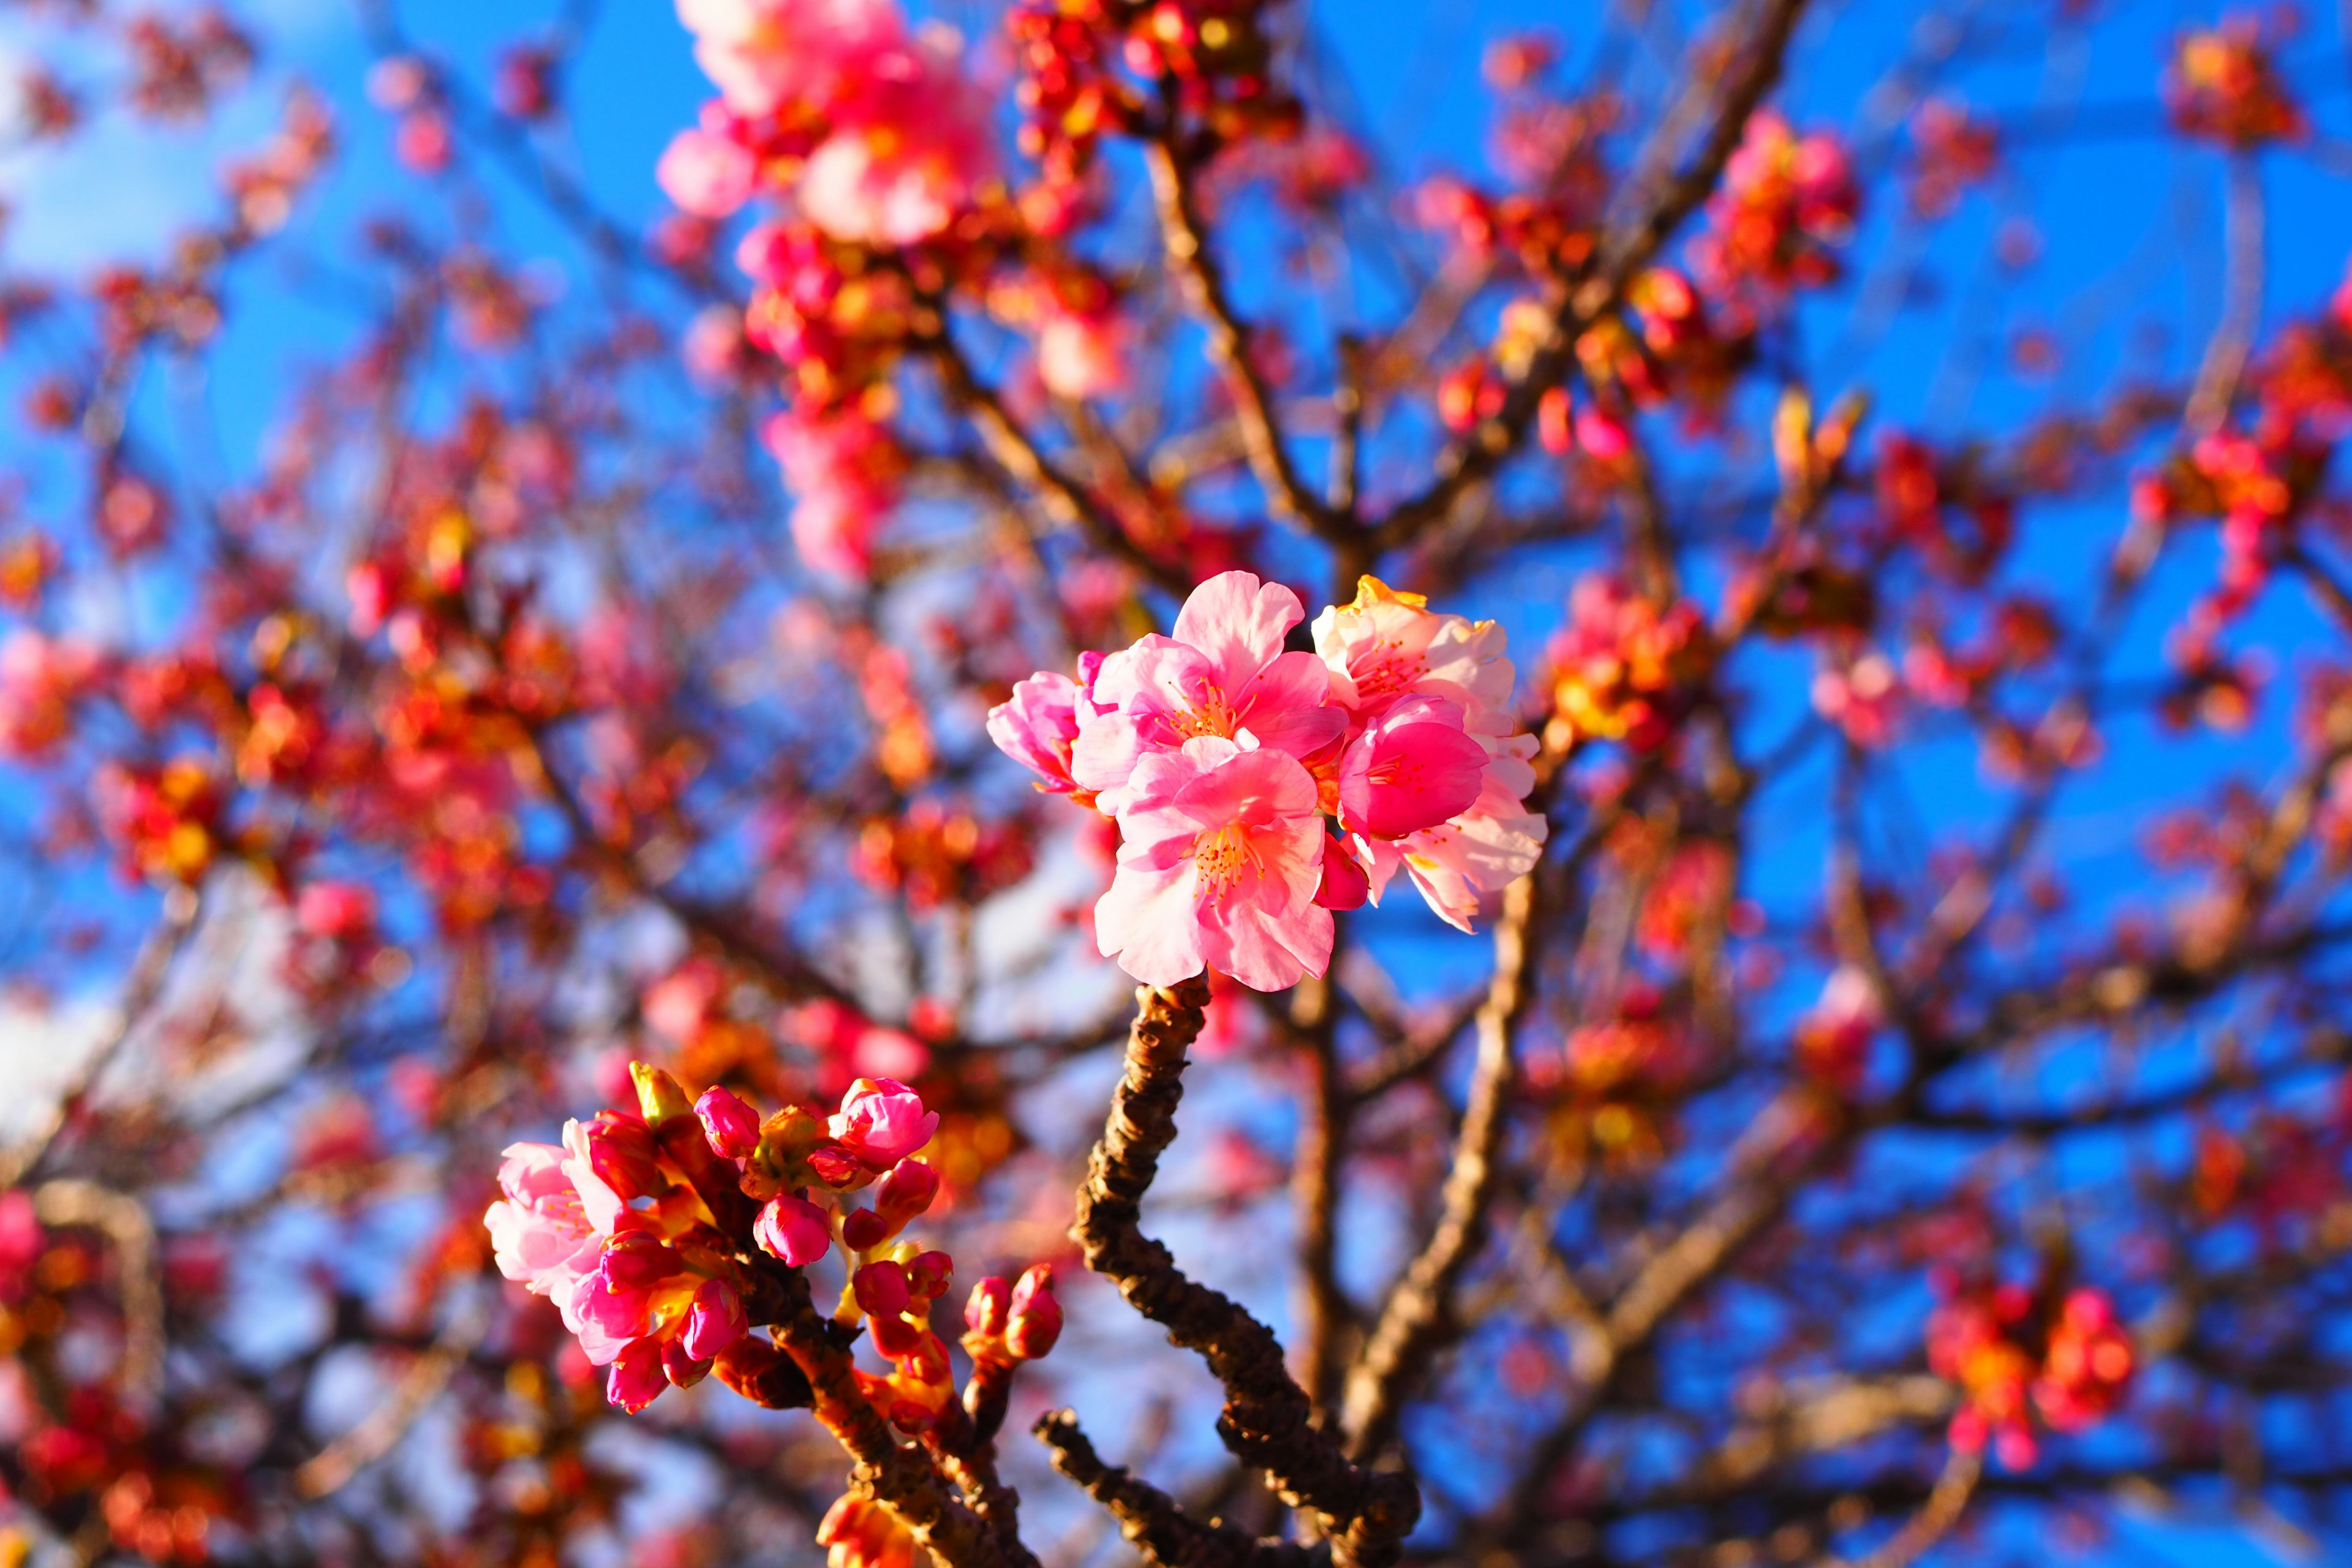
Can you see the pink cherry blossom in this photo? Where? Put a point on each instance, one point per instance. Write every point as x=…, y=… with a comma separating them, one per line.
x=881, y=1121
x=541, y=1233
x=1081, y=354
x=707, y=173
x=1224, y=673
x=1411, y=768
x=840, y=468
x=1039, y=723
x=1395, y=662
x=909, y=150
x=1222, y=856
x=792, y=1229
x=766, y=54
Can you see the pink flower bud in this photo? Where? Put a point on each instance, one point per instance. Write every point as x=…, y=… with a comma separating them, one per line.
x=1037, y=1316
x=636, y=1260
x=679, y=1367
x=881, y=1121
x=715, y=1321
x=881, y=1288
x=907, y=1190
x=989, y=1307
x=731, y=1125
x=636, y=1378
x=792, y=1229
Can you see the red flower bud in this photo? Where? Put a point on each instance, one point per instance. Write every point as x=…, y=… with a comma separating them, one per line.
x=1035, y=1315
x=928, y=1274
x=881, y=1288
x=864, y=1229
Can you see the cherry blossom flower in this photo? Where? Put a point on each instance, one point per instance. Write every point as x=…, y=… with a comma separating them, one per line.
x=1396, y=665
x=1222, y=856
x=706, y=171
x=765, y=54
x=1224, y=673
x=881, y=1121
x=909, y=150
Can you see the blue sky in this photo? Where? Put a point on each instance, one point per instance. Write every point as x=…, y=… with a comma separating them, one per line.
x=2129, y=276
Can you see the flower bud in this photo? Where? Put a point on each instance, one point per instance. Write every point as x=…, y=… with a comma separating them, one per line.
x=987, y=1308
x=780, y=1159
x=715, y=1321
x=881, y=1288
x=622, y=1155
x=636, y=1260
x=906, y=1191
x=836, y=1167
x=660, y=1101
x=928, y=1274
x=732, y=1126
x=679, y=1367
x=863, y=1231
x=894, y=1334
x=636, y=1379
x=1036, y=1321
x=792, y=1229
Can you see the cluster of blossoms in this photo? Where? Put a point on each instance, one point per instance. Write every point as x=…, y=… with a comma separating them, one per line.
x=630, y=1228
x=1787, y=203
x=2224, y=86
x=1951, y=151
x=1622, y=665
x=1980, y=1339
x=1219, y=755
x=2255, y=485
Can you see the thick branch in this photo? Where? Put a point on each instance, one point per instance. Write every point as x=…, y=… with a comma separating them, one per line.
x=1267, y=1420
x=1157, y=1525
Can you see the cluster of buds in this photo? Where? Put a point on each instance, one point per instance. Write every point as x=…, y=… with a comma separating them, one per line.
x=1945, y=508
x=1542, y=233
x=1787, y=203
x=265, y=185
x=2224, y=86
x=166, y=820
x=1622, y=666
x=1067, y=95
x=933, y=856
x=651, y=1230
x=1984, y=1339
x=1216, y=55
x=411, y=90
x=1615, y=1081
x=1951, y=151
x=178, y=70
x=2255, y=486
